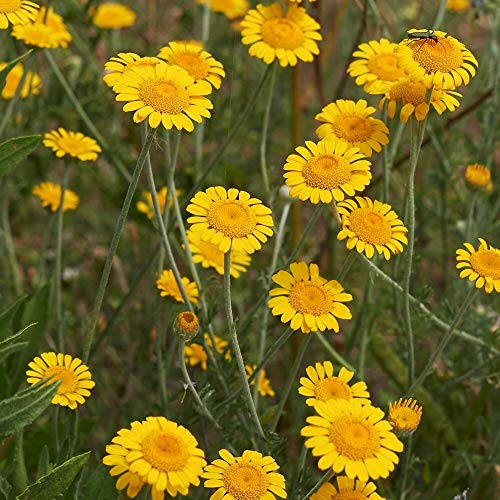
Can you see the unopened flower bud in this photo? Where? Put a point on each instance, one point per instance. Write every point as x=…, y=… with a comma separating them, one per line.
x=186, y=325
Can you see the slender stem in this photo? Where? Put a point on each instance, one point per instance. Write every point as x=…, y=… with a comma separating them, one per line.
x=111, y=155
x=333, y=353
x=120, y=223
x=439, y=15
x=305, y=234
x=265, y=127
x=291, y=380
x=406, y=467
x=470, y=216
x=346, y=266
x=58, y=263
x=324, y=479
x=444, y=341
x=236, y=345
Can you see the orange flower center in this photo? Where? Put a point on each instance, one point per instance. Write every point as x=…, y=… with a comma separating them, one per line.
x=352, y=128
x=309, y=298
x=408, y=93
x=331, y=388
x=444, y=55
x=327, y=171
x=486, y=263
x=244, y=481
x=164, y=96
x=385, y=67
x=164, y=451
x=232, y=218
x=7, y=6
x=354, y=439
x=193, y=63
x=282, y=33
x=370, y=226
x=67, y=377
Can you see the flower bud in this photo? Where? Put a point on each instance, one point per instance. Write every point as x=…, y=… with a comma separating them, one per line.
x=186, y=325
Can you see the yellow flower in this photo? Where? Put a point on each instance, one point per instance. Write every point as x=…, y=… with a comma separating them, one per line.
x=113, y=16
x=210, y=255
x=124, y=61
x=230, y=219
x=348, y=489
x=264, y=386
x=198, y=63
x=411, y=97
x=158, y=452
x=75, y=144
x=146, y=207
x=481, y=265
x=307, y=300
x=249, y=477
x=50, y=196
x=371, y=225
x=195, y=354
x=168, y=287
x=478, y=176
x=405, y=415
x=230, y=8
x=31, y=85
x=164, y=94
x=17, y=12
x=445, y=62
x=286, y=37
x=322, y=385
x=76, y=379
x=458, y=5
x=352, y=437
x=46, y=31
x=325, y=170
x=186, y=325
x=351, y=121
x=376, y=62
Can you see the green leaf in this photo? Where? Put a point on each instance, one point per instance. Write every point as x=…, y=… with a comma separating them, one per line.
x=57, y=481
x=44, y=465
x=5, y=487
x=8, y=314
x=16, y=150
x=5, y=71
x=24, y=407
x=99, y=485
x=13, y=338
x=6, y=351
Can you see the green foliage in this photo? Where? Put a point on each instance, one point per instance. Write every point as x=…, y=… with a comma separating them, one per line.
x=14, y=151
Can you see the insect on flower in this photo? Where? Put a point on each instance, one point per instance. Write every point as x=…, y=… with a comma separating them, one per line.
x=422, y=35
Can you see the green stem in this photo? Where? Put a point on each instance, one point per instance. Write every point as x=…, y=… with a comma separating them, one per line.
x=291, y=380
x=346, y=266
x=470, y=216
x=439, y=15
x=120, y=223
x=111, y=155
x=406, y=467
x=444, y=341
x=236, y=345
x=20, y=472
x=333, y=353
x=265, y=127
x=324, y=479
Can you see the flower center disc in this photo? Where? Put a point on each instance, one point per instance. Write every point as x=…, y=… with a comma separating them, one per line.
x=385, y=66
x=443, y=55
x=67, y=377
x=353, y=439
x=164, y=451
x=408, y=93
x=245, y=482
x=309, y=298
x=281, y=34
x=72, y=146
x=164, y=96
x=486, y=263
x=10, y=6
x=370, y=227
x=232, y=218
x=331, y=388
x=327, y=171
x=352, y=128
x=195, y=65
x=405, y=418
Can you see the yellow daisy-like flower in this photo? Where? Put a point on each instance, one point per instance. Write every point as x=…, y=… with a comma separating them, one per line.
x=376, y=62
x=326, y=171
x=445, y=62
x=113, y=16
x=46, y=31
x=17, y=12
x=118, y=65
x=458, y=5
x=411, y=97
x=230, y=219
x=286, y=37
x=195, y=354
x=307, y=300
x=264, y=385
x=74, y=144
x=351, y=121
x=76, y=379
x=209, y=254
x=168, y=287
x=50, y=196
x=405, y=414
x=478, y=176
x=200, y=64
x=481, y=265
x=230, y=8
x=300, y=1
x=249, y=477
x=146, y=207
x=348, y=489
x=352, y=437
x=160, y=453
x=31, y=85
x=164, y=94
x=371, y=225
x=323, y=385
